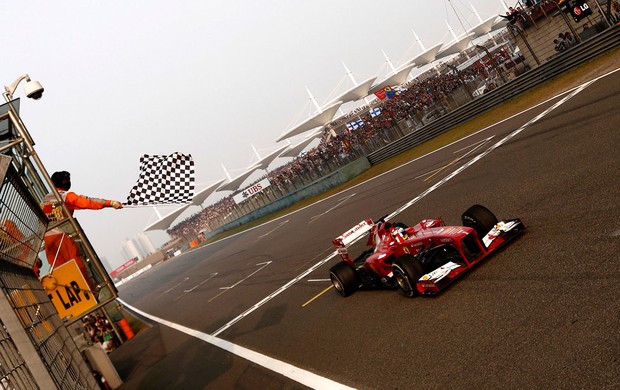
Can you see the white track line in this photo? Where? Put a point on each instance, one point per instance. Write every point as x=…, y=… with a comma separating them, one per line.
x=297, y=374
x=288, y=370
x=402, y=208
x=487, y=152
x=314, y=218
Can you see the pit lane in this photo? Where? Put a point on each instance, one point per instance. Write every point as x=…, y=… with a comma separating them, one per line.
x=542, y=313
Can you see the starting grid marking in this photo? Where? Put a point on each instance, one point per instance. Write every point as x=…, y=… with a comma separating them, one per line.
x=305, y=377
x=214, y=274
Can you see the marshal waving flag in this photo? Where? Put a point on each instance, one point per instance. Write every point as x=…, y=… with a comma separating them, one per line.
x=164, y=180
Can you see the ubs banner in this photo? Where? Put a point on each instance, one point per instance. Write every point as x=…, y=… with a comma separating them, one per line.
x=251, y=191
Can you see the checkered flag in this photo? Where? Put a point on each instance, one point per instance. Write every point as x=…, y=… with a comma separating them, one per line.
x=164, y=180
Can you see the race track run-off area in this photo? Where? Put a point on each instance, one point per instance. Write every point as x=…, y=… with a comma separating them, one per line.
x=257, y=309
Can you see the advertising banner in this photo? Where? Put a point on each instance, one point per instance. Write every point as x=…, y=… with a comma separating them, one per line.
x=251, y=191
x=123, y=267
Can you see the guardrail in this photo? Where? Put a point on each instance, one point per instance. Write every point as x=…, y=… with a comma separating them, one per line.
x=578, y=55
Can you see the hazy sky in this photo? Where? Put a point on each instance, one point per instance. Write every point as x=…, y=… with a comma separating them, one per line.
x=208, y=78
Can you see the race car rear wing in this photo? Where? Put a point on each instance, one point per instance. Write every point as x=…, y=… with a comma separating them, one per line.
x=353, y=234
x=350, y=236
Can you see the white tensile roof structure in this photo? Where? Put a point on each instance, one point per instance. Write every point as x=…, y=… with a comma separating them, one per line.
x=426, y=57
x=396, y=78
x=457, y=46
x=485, y=26
x=165, y=222
x=201, y=196
x=499, y=24
x=234, y=184
x=321, y=118
x=294, y=150
x=357, y=92
x=263, y=163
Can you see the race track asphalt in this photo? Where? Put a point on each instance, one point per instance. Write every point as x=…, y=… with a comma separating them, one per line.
x=542, y=313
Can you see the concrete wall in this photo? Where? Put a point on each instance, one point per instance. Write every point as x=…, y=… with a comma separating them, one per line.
x=152, y=259
x=326, y=183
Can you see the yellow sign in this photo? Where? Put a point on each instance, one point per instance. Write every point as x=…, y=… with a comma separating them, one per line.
x=68, y=290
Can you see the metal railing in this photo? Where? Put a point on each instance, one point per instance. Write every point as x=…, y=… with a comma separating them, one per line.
x=578, y=55
x=22, y=222
x=38, y=317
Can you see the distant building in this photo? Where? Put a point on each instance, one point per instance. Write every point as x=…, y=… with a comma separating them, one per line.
x=144, y=243
x=130, y=250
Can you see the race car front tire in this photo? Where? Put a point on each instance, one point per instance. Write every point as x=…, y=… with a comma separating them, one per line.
x=407, y=271
x=344, y=279
x=481, y=219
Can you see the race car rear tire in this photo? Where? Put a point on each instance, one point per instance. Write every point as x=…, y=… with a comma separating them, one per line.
x=481, y=219
x=344, y=279
x=407, y=271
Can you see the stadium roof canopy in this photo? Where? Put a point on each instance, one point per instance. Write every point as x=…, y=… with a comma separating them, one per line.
x=426, y=57
x=201, y=196
x=165, y=222
x=484, y=27
x=457, y=46
x=294, y=150
x=264, y=162
x=234, y=184
x=499, y=24
x=321, y=118
x=395, y=78
x=357, y=92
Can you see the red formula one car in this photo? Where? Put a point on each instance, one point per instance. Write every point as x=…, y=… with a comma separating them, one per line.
x=422, y=259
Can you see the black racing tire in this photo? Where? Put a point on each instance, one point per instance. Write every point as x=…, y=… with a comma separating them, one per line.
x=407, y=271
x=344, y=279
x=481, y=219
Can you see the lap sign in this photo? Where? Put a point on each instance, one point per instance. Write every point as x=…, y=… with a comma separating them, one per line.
x=68, y=290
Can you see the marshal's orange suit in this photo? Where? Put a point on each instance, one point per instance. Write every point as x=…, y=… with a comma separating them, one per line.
x=58, y=241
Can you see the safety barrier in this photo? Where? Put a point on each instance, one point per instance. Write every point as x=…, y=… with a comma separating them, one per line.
x=578, y=55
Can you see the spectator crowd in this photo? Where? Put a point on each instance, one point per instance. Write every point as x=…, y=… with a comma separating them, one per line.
x=339, y=146
x=98, y=330
x=417, y=102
